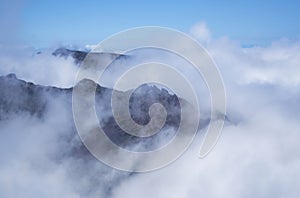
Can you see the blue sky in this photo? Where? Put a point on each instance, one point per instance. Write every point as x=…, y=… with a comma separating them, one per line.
x=45, y=22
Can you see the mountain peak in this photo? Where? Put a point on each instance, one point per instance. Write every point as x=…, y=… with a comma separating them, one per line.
x=11, y=75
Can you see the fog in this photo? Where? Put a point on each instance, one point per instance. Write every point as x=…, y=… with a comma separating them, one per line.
x=257, y=154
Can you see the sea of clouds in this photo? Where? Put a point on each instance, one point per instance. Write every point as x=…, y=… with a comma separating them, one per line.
x=257, y=155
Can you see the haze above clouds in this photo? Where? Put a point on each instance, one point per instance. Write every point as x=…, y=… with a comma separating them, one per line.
x=258, y=154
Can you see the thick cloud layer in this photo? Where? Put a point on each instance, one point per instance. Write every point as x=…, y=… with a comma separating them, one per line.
x=257, y=154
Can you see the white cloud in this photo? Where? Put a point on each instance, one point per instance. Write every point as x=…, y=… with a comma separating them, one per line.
x=201, y=32
x=274, y=64
x=43, y=69
x=257, y=155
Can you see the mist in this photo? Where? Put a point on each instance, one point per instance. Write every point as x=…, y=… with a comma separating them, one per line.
x=257, y=154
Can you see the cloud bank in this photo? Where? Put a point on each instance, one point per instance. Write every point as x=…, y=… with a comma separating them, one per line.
x=256, y=156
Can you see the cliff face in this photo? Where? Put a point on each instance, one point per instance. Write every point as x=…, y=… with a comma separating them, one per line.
x=79, y=55
x=30, y=112
x=19, y=97
x=76, y=54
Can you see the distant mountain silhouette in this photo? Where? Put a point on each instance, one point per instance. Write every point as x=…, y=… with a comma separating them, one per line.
x=79, y=56
x=18, y=96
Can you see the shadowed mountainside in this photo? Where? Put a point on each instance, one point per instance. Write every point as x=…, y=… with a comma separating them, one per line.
x=20, y=99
